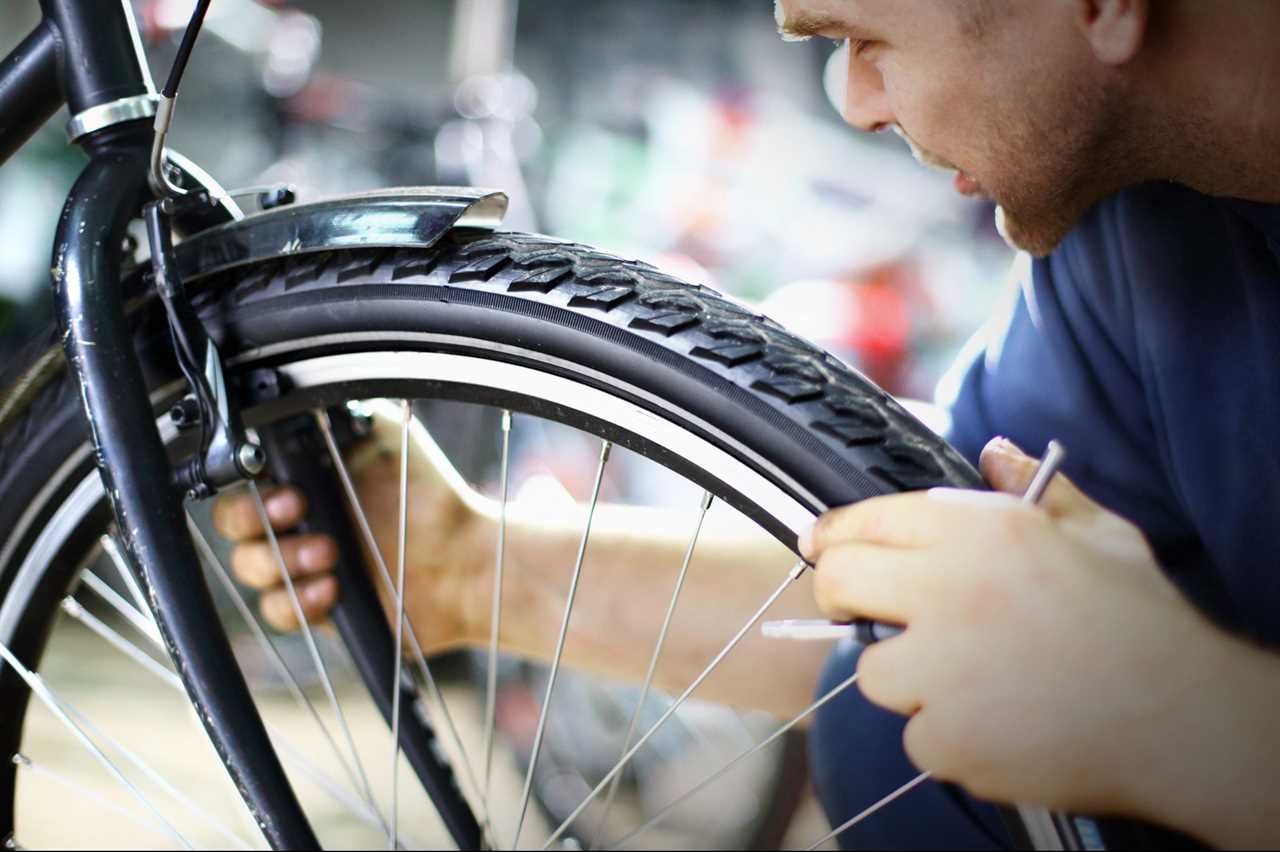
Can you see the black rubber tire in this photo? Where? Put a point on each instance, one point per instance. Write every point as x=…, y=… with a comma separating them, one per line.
x=833, y=432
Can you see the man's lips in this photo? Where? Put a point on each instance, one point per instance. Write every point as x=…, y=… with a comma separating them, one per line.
x=966, y=185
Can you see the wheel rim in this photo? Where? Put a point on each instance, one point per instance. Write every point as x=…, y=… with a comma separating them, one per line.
x=449, y=375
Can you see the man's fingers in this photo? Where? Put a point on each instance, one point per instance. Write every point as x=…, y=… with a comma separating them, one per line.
x=886, y=676
x=887, y=521
x=1007, y=468
x=254, y=562
x=236, y=517
x=910, y=521
x=857, y=580
x=316, y=594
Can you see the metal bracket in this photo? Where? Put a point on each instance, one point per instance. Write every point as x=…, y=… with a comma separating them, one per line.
x=390, y=218
x=108, y=114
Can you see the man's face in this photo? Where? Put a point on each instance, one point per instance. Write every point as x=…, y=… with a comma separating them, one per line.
x=1005, y=92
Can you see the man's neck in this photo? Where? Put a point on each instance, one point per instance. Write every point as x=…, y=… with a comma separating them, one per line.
x=1214, y=96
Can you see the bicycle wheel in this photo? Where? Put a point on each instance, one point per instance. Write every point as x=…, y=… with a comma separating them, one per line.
x=680, y=375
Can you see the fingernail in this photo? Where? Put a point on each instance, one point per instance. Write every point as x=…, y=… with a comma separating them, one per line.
x=804, y=542
x=1004, y=445
x=282, y=505
x=316, y=593
x=315, y=554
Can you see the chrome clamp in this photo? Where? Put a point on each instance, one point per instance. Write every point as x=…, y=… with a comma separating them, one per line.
x=115, y=112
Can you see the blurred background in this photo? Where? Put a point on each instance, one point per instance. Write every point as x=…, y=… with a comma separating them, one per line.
x=685, y=133
x=682, y=132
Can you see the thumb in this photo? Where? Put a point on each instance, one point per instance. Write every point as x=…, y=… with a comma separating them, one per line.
x=1007, y=468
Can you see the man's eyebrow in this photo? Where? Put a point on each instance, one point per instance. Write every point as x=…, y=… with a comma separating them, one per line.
x=804, y=25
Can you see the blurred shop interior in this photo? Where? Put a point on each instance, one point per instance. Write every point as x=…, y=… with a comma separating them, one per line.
x=681, y=132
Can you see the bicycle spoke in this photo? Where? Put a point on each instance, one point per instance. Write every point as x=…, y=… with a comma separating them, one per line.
x=73, y=608
x=112, y=549
x=794, y=574
x=158, y=779
x=756, y=749
x=495, y=618
x=310, y=641
x=852, y=821
x=605, y=448
x=140, y=622
x=37, y=685
x=358, y=807
x=406, y=415
x=361, y=809
x=28, y=765
x=205, y=550
x=653, y=661
x=389, y=585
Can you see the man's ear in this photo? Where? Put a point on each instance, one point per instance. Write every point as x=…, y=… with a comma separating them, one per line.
x=1114, y=28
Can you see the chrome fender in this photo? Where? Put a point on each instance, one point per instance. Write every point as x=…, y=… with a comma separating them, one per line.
x=388, y=218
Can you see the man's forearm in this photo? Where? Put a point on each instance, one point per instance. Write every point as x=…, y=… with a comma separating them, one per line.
x=629, y=573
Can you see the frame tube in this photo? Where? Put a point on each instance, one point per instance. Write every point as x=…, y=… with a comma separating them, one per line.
x=29, y=92
x=99, y=35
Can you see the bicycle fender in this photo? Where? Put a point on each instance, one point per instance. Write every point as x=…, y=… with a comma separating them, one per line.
x=409, y=217
x=390, y=218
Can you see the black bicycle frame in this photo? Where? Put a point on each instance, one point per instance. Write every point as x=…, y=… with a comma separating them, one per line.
x=86, y=53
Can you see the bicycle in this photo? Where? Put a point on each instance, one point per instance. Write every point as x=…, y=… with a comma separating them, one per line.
x=240, y=345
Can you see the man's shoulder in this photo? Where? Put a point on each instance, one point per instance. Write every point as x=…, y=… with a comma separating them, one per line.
x=1158, y=232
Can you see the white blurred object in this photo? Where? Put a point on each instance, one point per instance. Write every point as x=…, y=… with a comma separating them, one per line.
x=543, y=489
x=818, y=309
x=292, y=51
x=484, y=33
x=934, y=416
x=835, y=78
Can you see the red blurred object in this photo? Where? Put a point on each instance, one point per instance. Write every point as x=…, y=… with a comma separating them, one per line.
x=880, y=331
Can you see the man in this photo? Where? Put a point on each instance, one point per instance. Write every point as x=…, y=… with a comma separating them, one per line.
x=1051, y=655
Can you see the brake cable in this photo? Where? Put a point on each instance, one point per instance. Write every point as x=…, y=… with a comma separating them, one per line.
x=225, y=454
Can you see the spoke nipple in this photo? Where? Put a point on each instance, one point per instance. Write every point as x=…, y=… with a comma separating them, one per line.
x=506, y=421
x=72, y=606
x=605, y=450
x=798, y=571
x=21, y=760
x=706, y=500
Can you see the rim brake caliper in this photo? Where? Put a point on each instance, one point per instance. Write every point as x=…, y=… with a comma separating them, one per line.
x=226, y=456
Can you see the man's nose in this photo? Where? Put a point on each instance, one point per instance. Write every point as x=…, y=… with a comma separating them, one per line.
x=866, y=105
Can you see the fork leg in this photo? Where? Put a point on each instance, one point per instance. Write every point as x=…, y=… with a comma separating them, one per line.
x=136, y=473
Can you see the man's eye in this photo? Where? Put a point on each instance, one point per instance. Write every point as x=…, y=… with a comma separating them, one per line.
x=858, y=45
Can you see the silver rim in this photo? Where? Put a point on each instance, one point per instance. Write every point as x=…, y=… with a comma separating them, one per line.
x=735, y=471
x=450, y=369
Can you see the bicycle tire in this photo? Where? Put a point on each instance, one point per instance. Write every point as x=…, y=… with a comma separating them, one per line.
x=798, y=417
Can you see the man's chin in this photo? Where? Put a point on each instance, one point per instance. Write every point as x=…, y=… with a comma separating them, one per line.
x=1037, y=238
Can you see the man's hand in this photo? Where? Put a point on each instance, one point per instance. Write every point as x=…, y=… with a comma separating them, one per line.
x=1046, y=660
x=449, y=542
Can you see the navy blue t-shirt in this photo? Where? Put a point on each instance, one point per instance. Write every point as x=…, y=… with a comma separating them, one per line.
x=1149, y=344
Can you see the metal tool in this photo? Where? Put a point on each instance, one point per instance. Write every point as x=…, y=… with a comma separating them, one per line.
x=866, y=631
